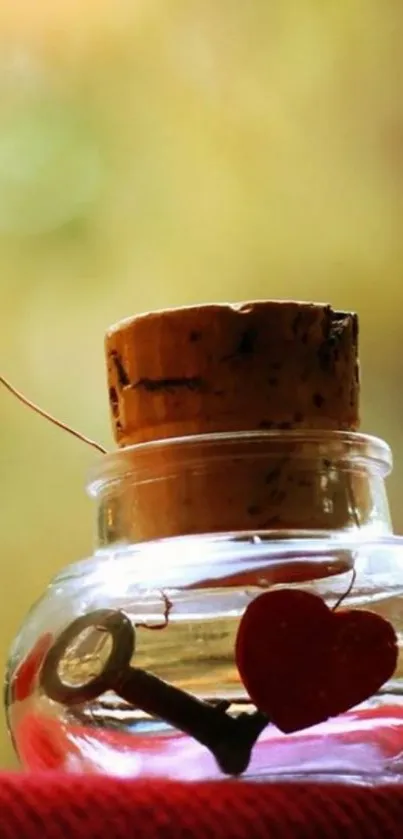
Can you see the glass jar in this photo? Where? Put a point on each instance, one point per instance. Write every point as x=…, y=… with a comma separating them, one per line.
x=137, y=661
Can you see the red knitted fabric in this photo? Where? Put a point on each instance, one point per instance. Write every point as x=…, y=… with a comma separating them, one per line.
x=56, y=806
x=51, y=805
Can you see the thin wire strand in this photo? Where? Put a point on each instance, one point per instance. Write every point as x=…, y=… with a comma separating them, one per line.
x=49, y=417
x=345, y=593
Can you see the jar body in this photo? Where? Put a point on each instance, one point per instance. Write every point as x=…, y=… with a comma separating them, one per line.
x=185, y=598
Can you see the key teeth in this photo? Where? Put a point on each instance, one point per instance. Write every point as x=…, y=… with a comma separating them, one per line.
x=233, y=756
x=231, y=759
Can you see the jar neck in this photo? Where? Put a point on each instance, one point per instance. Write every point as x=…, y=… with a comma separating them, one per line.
x=252, y=483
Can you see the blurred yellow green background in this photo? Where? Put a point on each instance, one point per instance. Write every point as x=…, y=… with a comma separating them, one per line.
x=164, y=152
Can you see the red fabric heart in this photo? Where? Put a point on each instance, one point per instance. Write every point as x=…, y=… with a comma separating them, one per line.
x=301, y=663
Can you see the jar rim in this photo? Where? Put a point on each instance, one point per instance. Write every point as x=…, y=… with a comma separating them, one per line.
x=351, y=448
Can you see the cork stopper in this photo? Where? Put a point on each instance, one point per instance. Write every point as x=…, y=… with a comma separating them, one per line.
x=265, y=366
x=250, y=366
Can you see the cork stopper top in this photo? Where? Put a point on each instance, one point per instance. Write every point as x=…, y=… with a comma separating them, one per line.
x=247, y=366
